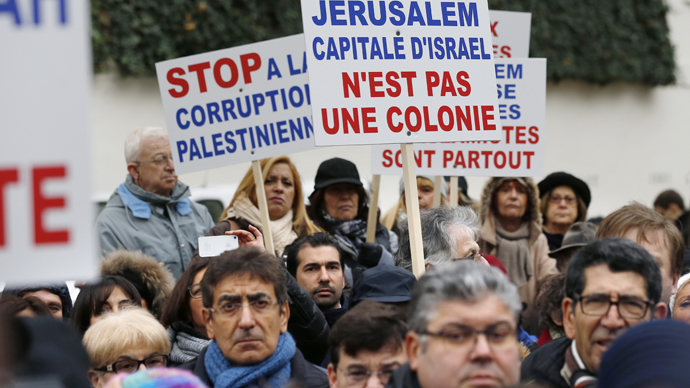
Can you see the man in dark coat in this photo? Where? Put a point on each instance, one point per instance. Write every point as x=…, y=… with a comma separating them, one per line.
x=246, y=314
x=611, y=285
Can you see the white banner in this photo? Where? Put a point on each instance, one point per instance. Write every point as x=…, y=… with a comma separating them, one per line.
x=46, y=215
x=522, y=108
x=400, y=71
x=237, y=105
x=511, y=33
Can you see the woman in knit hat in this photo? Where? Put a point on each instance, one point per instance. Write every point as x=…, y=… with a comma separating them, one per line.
x=564, y=200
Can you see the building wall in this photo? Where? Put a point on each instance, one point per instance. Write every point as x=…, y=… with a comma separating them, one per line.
x=627, y=142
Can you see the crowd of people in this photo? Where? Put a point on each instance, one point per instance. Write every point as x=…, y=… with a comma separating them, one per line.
x=520, y=289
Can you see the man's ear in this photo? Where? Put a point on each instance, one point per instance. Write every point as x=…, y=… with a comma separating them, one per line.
x=206, y=315
x=133, y=169
x=660, y=310
x=332, y=376
x=412, y=348
x=568, y=317
x=284, y=316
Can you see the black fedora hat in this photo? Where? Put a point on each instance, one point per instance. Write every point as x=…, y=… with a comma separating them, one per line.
x=334, y=171
x=564, y=179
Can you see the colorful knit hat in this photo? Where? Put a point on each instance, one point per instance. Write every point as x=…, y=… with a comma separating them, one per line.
x=161, y=378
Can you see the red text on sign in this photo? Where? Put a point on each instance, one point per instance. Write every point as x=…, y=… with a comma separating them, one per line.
x=394, y=83
x=248, y=63
x=433, y=80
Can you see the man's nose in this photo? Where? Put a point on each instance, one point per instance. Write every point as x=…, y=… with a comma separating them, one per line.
x=613, y=320
x=246, y=317
x=373, y=381
x=481, y=349
x=323, y=276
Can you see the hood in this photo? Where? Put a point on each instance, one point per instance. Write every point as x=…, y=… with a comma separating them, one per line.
x=150, y=278
x=59, y=289
x=179, y=192
x=532, y=211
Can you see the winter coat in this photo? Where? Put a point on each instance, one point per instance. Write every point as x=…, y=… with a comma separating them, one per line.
x=303, y=373
x=307, y=324
x=165, y=228
x=59, y=289
x=542, y=265
x=543, y=366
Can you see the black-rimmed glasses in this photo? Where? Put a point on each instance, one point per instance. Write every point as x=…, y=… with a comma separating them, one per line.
x=195, y=291
x=130, y=365
x=630, y=307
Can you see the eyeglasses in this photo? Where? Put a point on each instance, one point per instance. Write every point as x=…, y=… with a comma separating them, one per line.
x=359, y=375
x=556, y=199
x=160, y=160
x=598, y=305
x=472, y=257
x=463, y=336
x=258, y=306
x=131, y=366
x=195, y=291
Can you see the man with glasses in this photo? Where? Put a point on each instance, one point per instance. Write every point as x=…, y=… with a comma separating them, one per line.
x=611, y=285
x=462, y=330
x=151, y=211
x=367, y=346
x=246, y=313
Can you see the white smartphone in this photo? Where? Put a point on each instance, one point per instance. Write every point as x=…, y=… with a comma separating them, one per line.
x=210, y=246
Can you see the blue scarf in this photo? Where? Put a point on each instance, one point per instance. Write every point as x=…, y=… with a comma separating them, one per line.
x=276, y=369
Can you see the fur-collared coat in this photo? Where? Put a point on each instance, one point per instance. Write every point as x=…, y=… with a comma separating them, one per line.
x=542, y=265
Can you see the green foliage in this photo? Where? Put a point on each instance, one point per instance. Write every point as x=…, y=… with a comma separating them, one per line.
x=589, y=40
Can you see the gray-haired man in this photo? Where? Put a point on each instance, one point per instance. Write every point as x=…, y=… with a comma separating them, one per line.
x=463, y=322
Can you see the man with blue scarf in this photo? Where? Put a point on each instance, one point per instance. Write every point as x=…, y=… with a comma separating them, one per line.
x=151, y=211
x=246, y=312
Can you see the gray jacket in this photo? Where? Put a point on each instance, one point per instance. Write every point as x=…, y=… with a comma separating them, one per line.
x=165, y=228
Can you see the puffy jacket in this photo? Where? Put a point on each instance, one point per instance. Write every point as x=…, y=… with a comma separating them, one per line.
x=165, y=228
x=307, y=323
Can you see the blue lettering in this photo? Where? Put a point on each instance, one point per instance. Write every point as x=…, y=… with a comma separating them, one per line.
x=484, y=54
x=37, y=15
x=181, y=149
x=282, y=131
x=262, y=135
x=395, y=8
x=509, y=91
x=292, y=71
x=450, y=48
x=447, y=13
x=429, y=17
x=399, y=47
x=515, y=110
x=301, y=96
x=386, y=54
x=344, y=46
x=317, y=54
x=372, y=15
x=203, y=149
x=335, y=12
x=332, y=50
x=473, y=48
x=296, y=129
x=417, y=50
x=415, y=15
x=273, y=69
x=499, y=70
x=322, y=20
x=462, y=49
x=11, y=7
x=228, y=106
x=308, y=128
x=217, y=142
x=438, y=44
x=229, y=140
x=375, y=48
x=258, y=100
x=272, y=95
x=239, y=107
x=306, y=93
x=468, y=15
x=200, y=110
x=241, y=132
x=357, y=11
x=213, y=110
x=194, y=150
x=514, y=72
x=185, y=125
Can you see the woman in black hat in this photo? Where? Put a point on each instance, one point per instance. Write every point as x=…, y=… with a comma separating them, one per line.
x=340, y=206
x=564, y=200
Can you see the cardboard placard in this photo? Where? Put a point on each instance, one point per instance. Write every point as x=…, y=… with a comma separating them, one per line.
x=237, y=105
x=522, y=96
x=400, y=71
x=510, y=33
x=46, y=213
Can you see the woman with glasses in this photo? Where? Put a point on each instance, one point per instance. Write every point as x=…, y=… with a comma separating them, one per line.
x=110, y=294
x=125, y=342
x=182, y=314
x=564, y=200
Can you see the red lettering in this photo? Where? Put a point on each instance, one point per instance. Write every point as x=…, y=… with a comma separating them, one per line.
x=349, y=84
x=534, y=135
x=529, y=155
x=177, y=82
x=493, y=28
x=465, y=118
x=447, y=157
x=429, y=154
x=201, y=77
x=6, y=177
x=418, y=119
x=520, y=134
x=42, y=204
x=350, y=120
x=486, y=158
x=447, y=86
x=507, y=130
x=391, y=78
x=474, y=158
x=409, y=75
x=427, y=126
x=477, y=127
x=418, y=158
x=510, y=160
x=487, y=114
x=446, y=127
x=234, y=74
x=432, y=80
x=503, y=163
x=505, y=50
x=462, y=78
x=374, y=83
x=247, y=68
x=367, y=118
x=336, y=122
x=460, y=160
x=387, y=160
x=398, y=158
x=389, y=118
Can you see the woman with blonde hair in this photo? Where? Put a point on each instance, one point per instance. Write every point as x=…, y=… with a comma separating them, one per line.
x=425, y=195
x=285, y=200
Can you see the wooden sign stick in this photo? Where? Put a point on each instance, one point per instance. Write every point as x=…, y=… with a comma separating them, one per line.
x=263, y=207
x=413, y=222
x=438, y=184
x=453, y=191
x=372, y=220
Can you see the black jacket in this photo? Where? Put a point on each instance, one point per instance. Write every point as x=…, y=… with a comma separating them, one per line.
x=544, y=365
x=307, y=324
x=403, y=377
x=333, y=315
x=304, y=374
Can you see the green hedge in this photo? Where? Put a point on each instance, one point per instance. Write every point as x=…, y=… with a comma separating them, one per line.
x=598, y=41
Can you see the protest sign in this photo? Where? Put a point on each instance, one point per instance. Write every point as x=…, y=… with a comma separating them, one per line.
x=403, y=71
x=510, y=33
x=237, y=105
x=46, y=214
x=522, y=108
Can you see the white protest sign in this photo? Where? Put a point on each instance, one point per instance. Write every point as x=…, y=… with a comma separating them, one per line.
x=522, y=107
x=400, y=71
x=46, y=214
x=511, y=33
x=237, y=105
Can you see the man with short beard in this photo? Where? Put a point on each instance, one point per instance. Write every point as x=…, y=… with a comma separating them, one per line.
x=611, y=285
x=316, y=263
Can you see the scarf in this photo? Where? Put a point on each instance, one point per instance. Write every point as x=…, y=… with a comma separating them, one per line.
x=276, y=368
x=185, y=345
x=574, y=370
x=351, y=234
x=281, y=229
x=513, y=251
